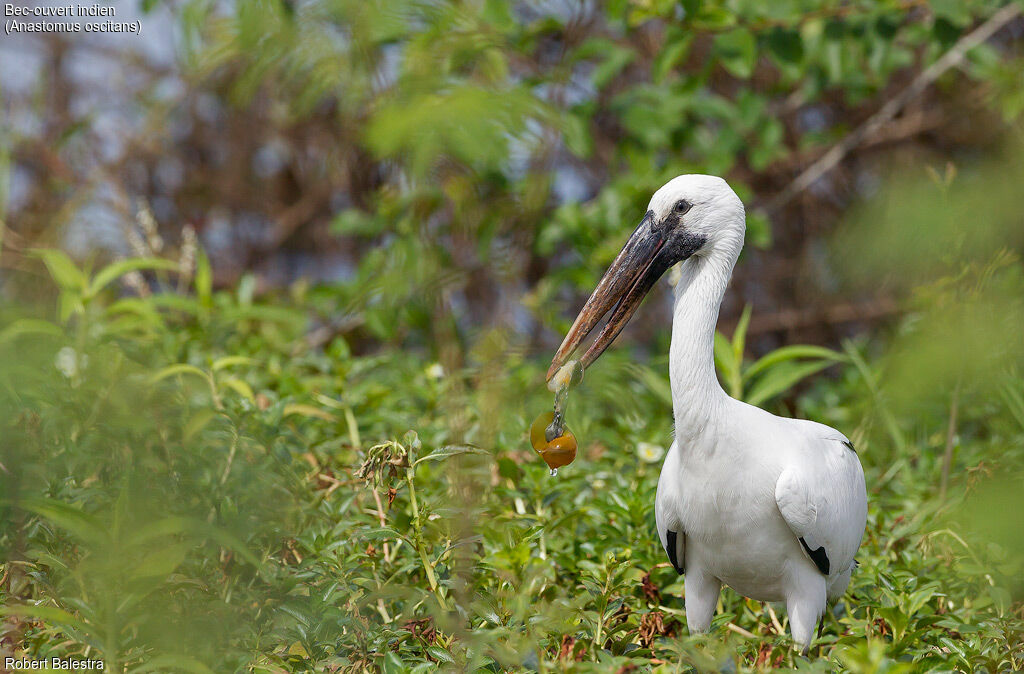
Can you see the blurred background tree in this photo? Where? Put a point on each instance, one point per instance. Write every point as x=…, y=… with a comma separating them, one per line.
x=461, y=165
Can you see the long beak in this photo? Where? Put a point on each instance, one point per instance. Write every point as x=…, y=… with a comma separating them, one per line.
x=631, y=275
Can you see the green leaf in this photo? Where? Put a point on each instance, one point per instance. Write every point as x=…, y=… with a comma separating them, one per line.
x=307, y=411
x=739, y=335
x=449, y=451
x=167, y=526
x=68, y=304
x=393, y=664
x=956, y=12
x=241, y=387
x=737, y=52
x=83, y=526
x=58, y=618
x=759, y=229
x=183, y=303
x=162, y=562
x=230, y=361
x=63, y=270
x=1013, y=400
x=788, y=353
x=140, y=308
x=193, y=528
x=271, y=314
x=739, y=341
x=781, y=378
x=440, y=654
x=198, y=422
x=246, y=290
x=357, y=222
x=178, y=368
x=725, y=361
x=383, y=534
x=674, y=52
x=204, y=279
x=469, y=123
x=226, y=540
x=29, y=326
x=708, y=16
x=785, y=45
x=576, y=132
x=615, y=59
x=656, y=383
x=118, y=269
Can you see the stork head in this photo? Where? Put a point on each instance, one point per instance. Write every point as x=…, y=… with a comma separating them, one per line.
x=692, y=215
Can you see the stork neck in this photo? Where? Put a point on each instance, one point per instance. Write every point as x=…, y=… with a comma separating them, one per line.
x=697, y=397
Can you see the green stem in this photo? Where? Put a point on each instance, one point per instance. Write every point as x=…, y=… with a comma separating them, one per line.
x=600, y=615
x=418, y=530
x=231, y=457
x=213, y=392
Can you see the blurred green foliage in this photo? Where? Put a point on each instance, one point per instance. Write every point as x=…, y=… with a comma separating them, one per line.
x=482, y=148
x=953, y=243
x=770, y=375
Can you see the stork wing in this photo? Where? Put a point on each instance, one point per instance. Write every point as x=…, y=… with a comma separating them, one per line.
x=666, y=505
x=824, y=502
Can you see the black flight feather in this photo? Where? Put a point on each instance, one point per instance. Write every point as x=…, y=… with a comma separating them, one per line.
x=670, y=548
x=818, y=556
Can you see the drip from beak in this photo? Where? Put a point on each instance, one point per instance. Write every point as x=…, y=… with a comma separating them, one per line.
x=631, y=275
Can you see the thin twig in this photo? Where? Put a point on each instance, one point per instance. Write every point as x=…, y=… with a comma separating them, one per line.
x=775, y=620
x=793, y=319
x=387, y=553
x=893, y=106
x=383, y=521
x=739, y=630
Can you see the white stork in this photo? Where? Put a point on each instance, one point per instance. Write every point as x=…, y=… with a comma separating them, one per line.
x=775, y=508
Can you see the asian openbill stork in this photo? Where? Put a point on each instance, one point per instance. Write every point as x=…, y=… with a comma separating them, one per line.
x=775, y=508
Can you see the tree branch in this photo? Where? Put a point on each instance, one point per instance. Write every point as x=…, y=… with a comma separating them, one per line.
x=838, y=152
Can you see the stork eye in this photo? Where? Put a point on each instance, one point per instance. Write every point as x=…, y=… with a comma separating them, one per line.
x=682, y=206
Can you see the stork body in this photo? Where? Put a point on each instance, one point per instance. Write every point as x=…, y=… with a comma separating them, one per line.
x=773, y=507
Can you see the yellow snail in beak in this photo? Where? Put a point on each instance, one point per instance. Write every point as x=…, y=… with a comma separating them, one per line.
x=560, y=450
x=549, y=435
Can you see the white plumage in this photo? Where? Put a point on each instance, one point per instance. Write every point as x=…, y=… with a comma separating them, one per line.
x=773, y=507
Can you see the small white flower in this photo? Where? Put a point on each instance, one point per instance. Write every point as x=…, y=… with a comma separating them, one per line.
x=149, y=226
x=435, y=371
x=136, y=282
x=649, y=452
x=66, y=362
x=187, y=254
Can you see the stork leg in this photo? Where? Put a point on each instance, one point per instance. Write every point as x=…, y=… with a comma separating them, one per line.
x=805, y=606
x=701, y=599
